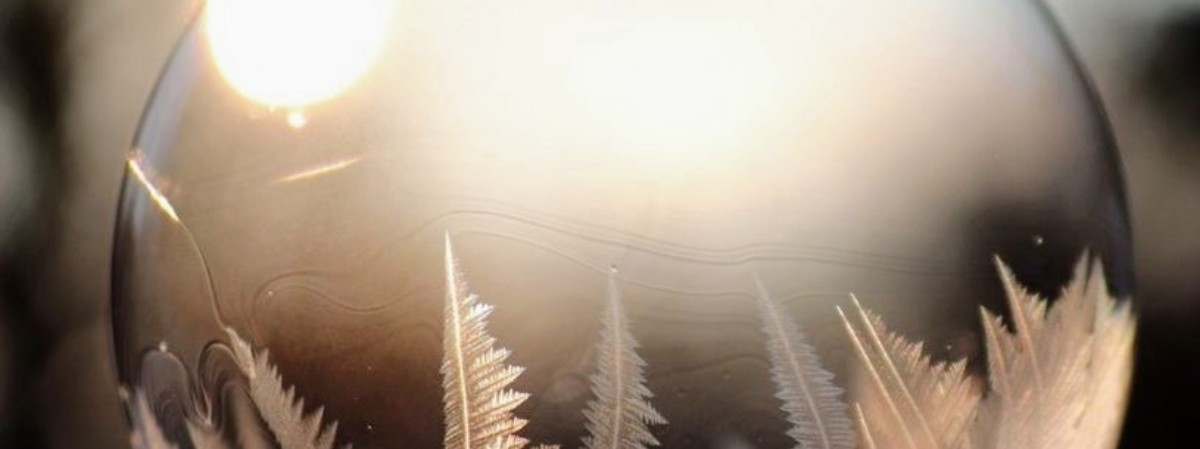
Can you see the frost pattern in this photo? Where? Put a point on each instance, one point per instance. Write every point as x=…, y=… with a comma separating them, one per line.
x=909, y=402
x=478, y=402
x=279, y=407
x=810, y=398
x=1059, y=380
x=620, y=415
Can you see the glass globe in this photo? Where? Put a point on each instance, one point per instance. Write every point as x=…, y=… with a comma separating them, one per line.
x=719, y=224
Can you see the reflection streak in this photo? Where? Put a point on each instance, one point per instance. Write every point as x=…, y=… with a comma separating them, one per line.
x=159, y=198
x=320, y=170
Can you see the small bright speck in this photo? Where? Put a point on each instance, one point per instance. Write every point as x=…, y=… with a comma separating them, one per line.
x=296, y=119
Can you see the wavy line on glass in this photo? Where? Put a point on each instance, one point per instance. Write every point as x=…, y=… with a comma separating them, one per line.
x=145, y=430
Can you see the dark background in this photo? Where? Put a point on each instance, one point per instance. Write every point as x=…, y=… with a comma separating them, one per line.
x=75, y=74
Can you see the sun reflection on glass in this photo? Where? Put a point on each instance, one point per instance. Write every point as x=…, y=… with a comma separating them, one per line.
x=291, y=53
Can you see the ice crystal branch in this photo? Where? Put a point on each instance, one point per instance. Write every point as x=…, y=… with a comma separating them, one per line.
x=620, y=415
x=1058, y=380
x=1061, y=380
x=280, y=408
x=810, y=398
x=478, y=402
x=909, y=401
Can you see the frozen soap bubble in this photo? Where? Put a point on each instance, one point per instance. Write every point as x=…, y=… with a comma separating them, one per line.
x=623, y=224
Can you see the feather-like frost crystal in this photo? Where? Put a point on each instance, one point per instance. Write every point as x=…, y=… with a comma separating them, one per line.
x=280, y=408
x=1061, y=380
x=620, y=415
x=907, y=401
x=478, y=403
x=1058, y=380
x=810, y=398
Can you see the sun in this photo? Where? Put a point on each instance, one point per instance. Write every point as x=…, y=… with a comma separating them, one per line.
x=292, y=53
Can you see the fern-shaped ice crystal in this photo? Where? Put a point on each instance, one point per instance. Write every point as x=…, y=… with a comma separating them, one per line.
x=1058, y=381
x=620, y=415
x=280, y=408
x=478, y=402
x=908, y=402
x=810, y=398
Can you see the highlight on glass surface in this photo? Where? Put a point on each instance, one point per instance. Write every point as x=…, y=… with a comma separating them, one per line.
x=294, y=52
x=623, y=224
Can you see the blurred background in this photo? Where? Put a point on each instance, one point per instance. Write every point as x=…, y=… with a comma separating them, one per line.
x=74, y=76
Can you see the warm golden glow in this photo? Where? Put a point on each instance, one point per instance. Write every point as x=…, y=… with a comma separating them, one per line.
x=666, y=98
x=291, y=53
x=671, y=83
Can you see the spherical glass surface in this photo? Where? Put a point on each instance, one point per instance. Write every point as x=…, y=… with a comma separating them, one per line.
x=623, y=224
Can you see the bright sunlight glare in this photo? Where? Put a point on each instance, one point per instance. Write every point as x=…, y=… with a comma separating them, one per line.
x=291, y=53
